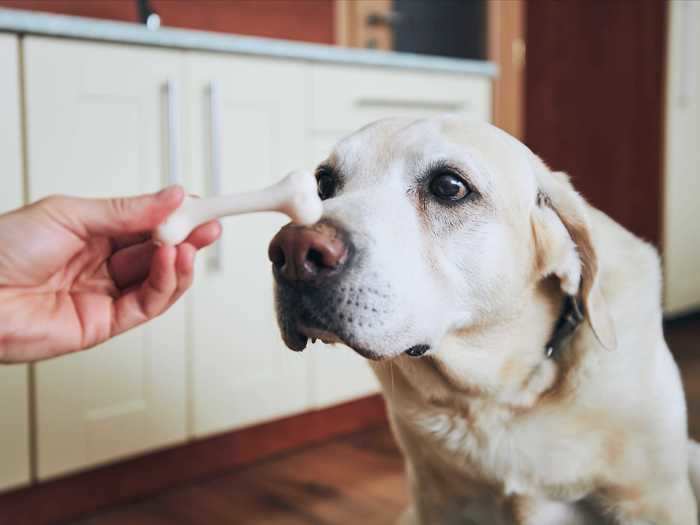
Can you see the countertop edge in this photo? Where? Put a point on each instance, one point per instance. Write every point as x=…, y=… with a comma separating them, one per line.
x=33, y=23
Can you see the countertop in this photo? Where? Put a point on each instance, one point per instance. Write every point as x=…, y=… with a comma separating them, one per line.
x=34, y=23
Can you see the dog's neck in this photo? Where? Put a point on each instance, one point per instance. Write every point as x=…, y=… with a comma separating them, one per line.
x=505, y=361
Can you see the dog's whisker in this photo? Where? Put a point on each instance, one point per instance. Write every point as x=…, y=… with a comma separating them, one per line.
x=391, y=372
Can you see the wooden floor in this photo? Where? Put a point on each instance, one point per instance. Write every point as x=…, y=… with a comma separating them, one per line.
x=355, y=479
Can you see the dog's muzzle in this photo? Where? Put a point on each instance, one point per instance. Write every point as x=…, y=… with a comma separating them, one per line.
x=318, y=293
x=309, y=263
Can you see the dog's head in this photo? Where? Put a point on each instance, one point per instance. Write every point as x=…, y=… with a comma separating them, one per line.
x=430, y=227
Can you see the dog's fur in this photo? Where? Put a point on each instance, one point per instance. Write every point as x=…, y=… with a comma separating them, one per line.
x=493, y=431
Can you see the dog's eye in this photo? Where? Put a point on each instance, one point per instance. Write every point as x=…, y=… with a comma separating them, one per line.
x=327, y=184
x=448, y=186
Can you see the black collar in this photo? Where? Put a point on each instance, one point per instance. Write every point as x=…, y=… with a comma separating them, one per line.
x=569, y=320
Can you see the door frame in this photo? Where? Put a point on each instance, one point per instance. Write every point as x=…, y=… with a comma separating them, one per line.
x=506, y=49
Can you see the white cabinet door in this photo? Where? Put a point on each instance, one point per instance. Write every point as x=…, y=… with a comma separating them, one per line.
x=100, y=122
x=248, y=135
x=14, y=392
x=682, y=174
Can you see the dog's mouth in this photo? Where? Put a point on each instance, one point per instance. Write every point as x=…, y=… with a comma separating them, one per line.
x=314, y=334
x=340, y=311
x=309, y=327
x=355, y=314
x=297, y=337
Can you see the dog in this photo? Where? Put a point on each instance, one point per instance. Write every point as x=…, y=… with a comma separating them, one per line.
x=515, y=330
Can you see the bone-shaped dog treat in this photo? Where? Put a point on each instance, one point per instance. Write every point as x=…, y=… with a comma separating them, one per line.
x=296, y=195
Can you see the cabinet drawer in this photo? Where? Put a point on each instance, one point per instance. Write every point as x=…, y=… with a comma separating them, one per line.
x=346, y=98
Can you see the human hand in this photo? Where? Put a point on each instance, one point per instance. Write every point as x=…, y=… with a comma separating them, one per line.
x=76, y=272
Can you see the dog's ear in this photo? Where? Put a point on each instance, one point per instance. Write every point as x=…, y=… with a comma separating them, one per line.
x=564, y=248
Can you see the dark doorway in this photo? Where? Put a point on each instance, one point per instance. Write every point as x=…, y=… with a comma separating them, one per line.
x=451, y=28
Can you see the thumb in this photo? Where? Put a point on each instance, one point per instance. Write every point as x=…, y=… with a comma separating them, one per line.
x=122, y=215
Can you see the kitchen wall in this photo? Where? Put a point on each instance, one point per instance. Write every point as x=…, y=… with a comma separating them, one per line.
x=306, y=20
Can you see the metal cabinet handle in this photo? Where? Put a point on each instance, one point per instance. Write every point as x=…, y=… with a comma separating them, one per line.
x=173, y=126
x=215, y=261
x=438, y=106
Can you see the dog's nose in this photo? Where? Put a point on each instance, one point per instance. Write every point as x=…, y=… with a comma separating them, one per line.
x=306, y=253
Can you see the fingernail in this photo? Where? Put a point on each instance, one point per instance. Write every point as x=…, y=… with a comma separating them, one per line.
x=169, y=192
x=165, y=191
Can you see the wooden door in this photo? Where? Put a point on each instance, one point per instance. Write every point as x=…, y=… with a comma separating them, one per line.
x=593, y=102
x=102, y=120
x=14, y=388
x=248, y=125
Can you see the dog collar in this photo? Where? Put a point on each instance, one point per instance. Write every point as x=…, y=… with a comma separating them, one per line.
x=569, y=320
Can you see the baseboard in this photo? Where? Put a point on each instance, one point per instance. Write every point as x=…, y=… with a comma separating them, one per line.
x=684, y=316
x=65, y=499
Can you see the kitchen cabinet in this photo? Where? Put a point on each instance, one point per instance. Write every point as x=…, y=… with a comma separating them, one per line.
x=248, y=125
x=681, y=230
x=105, y=120
x=345, y=98
x=14, y=384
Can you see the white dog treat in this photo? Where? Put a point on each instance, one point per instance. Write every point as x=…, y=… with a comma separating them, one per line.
x=296, y=195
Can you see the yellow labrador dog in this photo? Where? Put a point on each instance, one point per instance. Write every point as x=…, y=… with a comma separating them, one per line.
x=516, y=330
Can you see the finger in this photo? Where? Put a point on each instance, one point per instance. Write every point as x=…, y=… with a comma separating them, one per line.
x=162, y=280
x=153, y=296
x=115, y=217
x=184, y=263
x=184, y=272
x=184, y=267
x=131, y=265
x=204, y=235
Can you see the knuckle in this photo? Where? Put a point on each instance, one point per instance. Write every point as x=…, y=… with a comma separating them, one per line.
x=153, y=310
x=184, y=285
x=120, y=205
x=121, y=209
x=150, y=304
